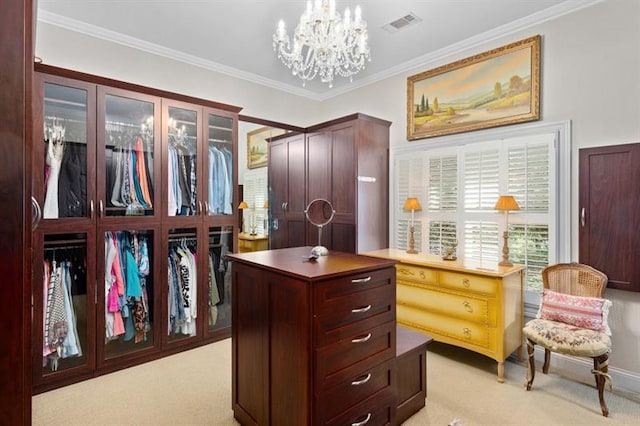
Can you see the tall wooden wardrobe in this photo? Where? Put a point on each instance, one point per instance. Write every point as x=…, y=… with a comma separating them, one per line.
x=344, y=161
x=136, y=191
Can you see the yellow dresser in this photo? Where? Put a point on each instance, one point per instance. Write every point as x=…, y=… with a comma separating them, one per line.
x=248, y=242
x=477, y=306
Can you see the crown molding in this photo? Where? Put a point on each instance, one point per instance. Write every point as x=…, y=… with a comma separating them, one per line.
x=471, y=43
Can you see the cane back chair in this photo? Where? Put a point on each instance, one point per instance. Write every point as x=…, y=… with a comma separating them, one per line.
x=565, y=334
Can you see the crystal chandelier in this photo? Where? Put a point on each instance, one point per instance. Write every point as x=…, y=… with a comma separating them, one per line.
x=324, y=43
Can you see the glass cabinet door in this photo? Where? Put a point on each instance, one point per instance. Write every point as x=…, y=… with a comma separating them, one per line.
x=129, y=160
x=182, y=162
x=220, y=243
x=66, y=153
x=127, y=300
x=182, y=285
x=64, y=307
x=220, y=165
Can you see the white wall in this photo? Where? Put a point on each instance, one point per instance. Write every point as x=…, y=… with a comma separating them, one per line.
x=590, y=75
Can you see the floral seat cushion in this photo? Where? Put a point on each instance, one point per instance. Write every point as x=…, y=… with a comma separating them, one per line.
x=567, y=339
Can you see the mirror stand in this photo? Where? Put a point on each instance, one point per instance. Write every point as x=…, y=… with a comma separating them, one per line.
x=319, y=212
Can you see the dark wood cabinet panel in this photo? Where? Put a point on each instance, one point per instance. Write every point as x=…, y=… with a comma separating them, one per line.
x=287, y=181
x=345, y=162
x=16, y=71
x=610, y=213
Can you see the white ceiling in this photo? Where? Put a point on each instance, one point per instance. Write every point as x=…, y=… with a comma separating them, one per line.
x=235, y=36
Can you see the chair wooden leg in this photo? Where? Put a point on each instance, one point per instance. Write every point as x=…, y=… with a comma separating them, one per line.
x=547, y=361
x=600, y=371
x=532, y=364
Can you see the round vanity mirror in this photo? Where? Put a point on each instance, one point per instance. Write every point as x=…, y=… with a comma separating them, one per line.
x=320, y=213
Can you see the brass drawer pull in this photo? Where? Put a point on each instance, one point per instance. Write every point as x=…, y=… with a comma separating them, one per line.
x=467, y=332
x=362, y=381
x=361, y=280
x=467, y=306
x=358, y=310
x=361, y=339
x=364, y=422
x=422, y=275
x=406, y=272
x=466, y=282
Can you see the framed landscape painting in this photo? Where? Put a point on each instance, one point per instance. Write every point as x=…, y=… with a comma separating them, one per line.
x=257, y=150
x=494, y=88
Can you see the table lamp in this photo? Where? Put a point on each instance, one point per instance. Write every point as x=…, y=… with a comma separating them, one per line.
x=506, y=203
x=412, y=204
x=243, y=205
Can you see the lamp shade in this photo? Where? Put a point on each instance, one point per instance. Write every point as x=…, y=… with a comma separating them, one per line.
x=412, y=204
x=506, y=202
x=243, y=205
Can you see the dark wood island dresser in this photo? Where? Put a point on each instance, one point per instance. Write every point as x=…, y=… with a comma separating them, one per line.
x=314, y=342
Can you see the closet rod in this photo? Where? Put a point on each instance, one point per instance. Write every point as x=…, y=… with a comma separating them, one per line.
x=220, y=141
x=64, y=246
x=64, y=119
x=63, y=102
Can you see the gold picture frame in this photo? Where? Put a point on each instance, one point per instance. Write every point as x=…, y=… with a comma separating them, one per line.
x=257, y=148
x=494, y=88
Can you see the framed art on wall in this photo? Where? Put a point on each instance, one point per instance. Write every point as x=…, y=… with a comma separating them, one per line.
x=494, y=88
x=257, y=151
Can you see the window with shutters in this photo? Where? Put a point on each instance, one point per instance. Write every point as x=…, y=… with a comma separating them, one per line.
x=458, y=187
x=255, y=194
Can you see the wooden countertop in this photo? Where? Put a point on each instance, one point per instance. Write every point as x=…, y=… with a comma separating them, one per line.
x=435, y=261
x=294, y=262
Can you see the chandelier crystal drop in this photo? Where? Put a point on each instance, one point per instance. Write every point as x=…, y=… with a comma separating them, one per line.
x=324, y=43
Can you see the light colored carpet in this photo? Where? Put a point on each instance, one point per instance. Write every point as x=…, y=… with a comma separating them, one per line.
x=194, y=388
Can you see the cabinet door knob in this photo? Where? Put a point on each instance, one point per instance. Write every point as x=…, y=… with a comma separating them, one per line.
x=361, y=339
x=583, y=217
x=361, y=381
x=364, y=422
x=91, y=209
x=361, y=280
x=100, y=209
x=363, y=309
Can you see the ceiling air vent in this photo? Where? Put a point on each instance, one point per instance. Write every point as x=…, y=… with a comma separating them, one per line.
x=400, y=23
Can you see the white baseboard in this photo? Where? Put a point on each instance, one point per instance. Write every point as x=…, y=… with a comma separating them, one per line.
x=580, y=369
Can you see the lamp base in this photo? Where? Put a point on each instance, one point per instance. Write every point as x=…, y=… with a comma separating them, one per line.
x=412, y=251
x=412, y=242
x=503, y=263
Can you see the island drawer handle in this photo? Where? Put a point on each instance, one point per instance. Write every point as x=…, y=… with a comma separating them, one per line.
x=364, y=422
x=361, y=280
x=364, y=309
x=361, y=339
x=362, y=381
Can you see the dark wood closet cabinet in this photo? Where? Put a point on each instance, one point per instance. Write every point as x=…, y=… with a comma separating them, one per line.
x=135, y=188
x=610, y=213
x=344, y=161
x=287, y=181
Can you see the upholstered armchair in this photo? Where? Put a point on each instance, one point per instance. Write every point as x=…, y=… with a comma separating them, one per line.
x=572, y=320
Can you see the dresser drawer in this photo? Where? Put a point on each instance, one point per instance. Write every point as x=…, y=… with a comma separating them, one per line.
x=326, y=291
x=355, y=389
x=468, y=307
x=378, y=302
x=467, y=282
x=354, y=353
x=377, y=410
x=441, y=325
x=416, y=273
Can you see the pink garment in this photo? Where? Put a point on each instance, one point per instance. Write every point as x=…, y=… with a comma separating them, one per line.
x=118, y=324
x=46, y=350
x=112, y=299
x=116, y=268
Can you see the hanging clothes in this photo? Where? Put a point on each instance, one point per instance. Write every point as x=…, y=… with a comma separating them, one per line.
x=55, y=152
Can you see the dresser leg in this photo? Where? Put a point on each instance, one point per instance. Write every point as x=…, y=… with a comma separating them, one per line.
x=500, y=372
